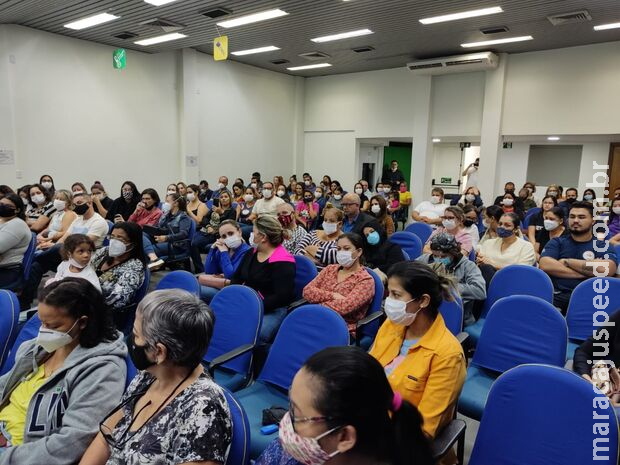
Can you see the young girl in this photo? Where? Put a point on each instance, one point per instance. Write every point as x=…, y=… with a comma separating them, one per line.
x=393, y=202
x=77, y=251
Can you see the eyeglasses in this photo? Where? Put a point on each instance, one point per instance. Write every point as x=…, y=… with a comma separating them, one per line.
x=295, y=420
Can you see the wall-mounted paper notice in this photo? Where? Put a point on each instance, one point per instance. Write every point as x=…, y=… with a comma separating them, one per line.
x=191, y=161
x=7, y=157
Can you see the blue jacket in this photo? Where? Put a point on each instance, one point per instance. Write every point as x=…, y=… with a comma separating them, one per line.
x=222, y=262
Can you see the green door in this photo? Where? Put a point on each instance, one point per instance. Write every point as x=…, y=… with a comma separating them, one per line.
x=403, y=156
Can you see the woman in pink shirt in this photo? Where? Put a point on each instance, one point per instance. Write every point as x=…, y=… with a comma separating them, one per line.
x=147, y=211
x=452, y=223
x=307, y=210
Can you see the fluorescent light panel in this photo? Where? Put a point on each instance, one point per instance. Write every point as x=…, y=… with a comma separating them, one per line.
x=462, y=15
x=160, y=39
x=344, y=35
x=553, y=138
x=253, y=18
x=269, y=48
x=435, y=140
x=497, y=41
x=91, y=21
x=604, y=27
x=159, y=2
x=318, y=65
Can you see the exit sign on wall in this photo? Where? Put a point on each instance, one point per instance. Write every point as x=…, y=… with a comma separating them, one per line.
x=119, y=58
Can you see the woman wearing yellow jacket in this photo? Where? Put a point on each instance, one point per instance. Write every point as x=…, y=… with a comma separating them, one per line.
x=422, y=359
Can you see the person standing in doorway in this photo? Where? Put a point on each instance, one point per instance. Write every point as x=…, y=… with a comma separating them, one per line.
x=472, y=174
x=393, y=176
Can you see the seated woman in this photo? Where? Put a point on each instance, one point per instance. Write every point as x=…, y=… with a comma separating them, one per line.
x=510, y=205
x=614, y=222
x=307, y=211
x=41, y=208
x=59, y=222
x=101, y=201
x=537, y=221
x=346, y=288
x=270, y=270
x=589, y=195
x=471, y=196
x=122, y=207
x=63, y=382
x=506, y=249
x=336, y=199
x=295, y=234
x=175, y=220
x=172, y=412
x=245, y=206
x=553, y=227
x=77, y=251
x=379, y=253
x=196, y=210
x=379, y=209
x=120, y=265
x=423, y=361
x=147, y=211
x=320, y=245
x=527, y=199
x=364, y=201
x=470, y=224
x=298, y=194
x=446, y=250
x=15, y=237
x=342, y=406
x=48, y=184
x=171, y=189
x=78, y=188
x=283, y=194
x=181, y=188
x=320, y=198
x=223, y=259
x=238, y=192
x=452, y=223
x=490, y=218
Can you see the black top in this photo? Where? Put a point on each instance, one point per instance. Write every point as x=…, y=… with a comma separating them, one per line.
x=518, y=203
x=393, y=177
x=121, y=207
x=363, y=220
x=204, y=196
x=274, y=281
x=587, y=350
x=538, y=221
x=542, y=237
x=105, y=202
x=383, y=256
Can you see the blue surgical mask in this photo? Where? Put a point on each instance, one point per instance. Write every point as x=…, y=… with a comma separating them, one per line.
x=444, y=260
x=503, y=232
x=373, y=238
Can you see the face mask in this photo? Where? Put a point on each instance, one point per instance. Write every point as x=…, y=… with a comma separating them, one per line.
x=509, y=191
x=116, y=248
x=73, y=262
x=403, y=189
x=267, y=193
x=468, y=223
x=550, y=225
x=359, y=191
x=330, y=228
x=486, y=223
x=373, y=238
x=375, y=209
x=443, y=260
x=470, y=197
x=81, y=209
x=337, y=196
x=77, y=192
x=396, y=311
x=435, y=199
x=281, y=193
x=233, y=242
x=191, y=197
x=571, y=200
x=317, y=194
x=285, y=220
x=503, y=232
x=38, y=199
x=47, y=185
x=248, y=197
x=251, y=240
x=304, y=450
x=60, y=204
x=165, y=208
x=6, y=211
x=616, y=210
x=308, y=199
x=220, y=186
x=387, y=190
x=138, y=355
x=449, y=224
x=553, y=194
x=52, y=340
x=203, y=191
x=253, y=185
x=508, y=202
x=127, y=195
x=307, y=183
x=171, y=192
x=345, y=258
x=588, y=197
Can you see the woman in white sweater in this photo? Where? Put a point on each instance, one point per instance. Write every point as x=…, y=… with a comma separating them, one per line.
x=15, y=236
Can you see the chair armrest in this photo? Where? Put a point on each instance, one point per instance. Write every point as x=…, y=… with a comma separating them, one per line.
x=363, y=322
x=295, y=305
x=228, y=356
x=445, y=440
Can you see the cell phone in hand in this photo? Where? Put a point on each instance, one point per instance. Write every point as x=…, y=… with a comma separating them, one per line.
x=216, y=202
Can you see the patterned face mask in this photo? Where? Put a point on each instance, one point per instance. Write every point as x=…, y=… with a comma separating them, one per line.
x=305, y=450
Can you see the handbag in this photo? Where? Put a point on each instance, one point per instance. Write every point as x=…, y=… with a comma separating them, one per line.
x=607, y=379
x=212, y=280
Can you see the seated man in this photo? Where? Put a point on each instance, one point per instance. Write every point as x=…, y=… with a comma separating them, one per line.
x=574, y=258
x=354, y=219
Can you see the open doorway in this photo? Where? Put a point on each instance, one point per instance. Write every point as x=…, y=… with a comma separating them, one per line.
x=613, y=171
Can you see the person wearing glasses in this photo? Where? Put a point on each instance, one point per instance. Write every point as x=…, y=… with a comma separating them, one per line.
x=354, y=219
x=172, y=412
x=65, y=381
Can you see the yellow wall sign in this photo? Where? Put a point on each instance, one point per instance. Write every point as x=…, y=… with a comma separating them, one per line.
x=220, y=48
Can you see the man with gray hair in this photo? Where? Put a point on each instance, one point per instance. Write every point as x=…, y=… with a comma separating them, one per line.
x=354, y=219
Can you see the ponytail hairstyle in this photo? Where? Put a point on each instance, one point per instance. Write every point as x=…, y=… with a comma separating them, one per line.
x=350, y=388
x=357, y=241
x=271, y=228
x=418, y=279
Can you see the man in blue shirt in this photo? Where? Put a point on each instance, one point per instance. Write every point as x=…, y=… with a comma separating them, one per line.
x=572, y=259
x=354, y=219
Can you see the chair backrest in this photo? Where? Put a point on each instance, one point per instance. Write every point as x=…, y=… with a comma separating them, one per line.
x=422, y=230
x=106, y=241
x=521, y=329
x=406, y=256
x=239, y=452
x=375, y=305
x=305, y=271
x=452, y=313
x=544, y=415
x=180, y=279
x=472, y=255
x=518, y=280
x=27, y=332
x=238, y=318
x=132, y=371
x=409, y=242
x=581, y=307
x=9, y=319
x=192, y=231
x=304, y=332
x=144, y=287
x=29, y=256
x=529, y=215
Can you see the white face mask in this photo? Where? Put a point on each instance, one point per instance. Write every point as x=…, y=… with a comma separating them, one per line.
x=616, y=210
x=375, y=209
x=307, y=183
x=550, y=225
x=77, y=192
x=74, y=263
x=267, y=193
x=345, y=258
x=220, y=186
x=47, y=184
x=387, y=190
x=248, y=197
x=38, y=199
x=116, y=248
x=449, y=224
x=253, y=185
x=52, y=340
x=486, y=223
x=508, y=202
x=588, y=197
x=60, y=205
x=317, y=194
x=435, y=199
x=281, y=193
x=251, y=240
x=191, y=197
x=165, y=208
x=470, y=197
x=337, y=196
x=233, y=242
x=330, y=228
x=396, y=311
x=359, y=191
x=171, y=192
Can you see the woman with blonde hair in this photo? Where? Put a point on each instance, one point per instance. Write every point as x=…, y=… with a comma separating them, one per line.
x=60, y=220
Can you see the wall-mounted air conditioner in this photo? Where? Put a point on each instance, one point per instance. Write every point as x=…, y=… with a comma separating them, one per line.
x=480, y=61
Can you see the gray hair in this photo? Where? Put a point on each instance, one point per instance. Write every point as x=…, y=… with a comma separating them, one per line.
x=180, y=321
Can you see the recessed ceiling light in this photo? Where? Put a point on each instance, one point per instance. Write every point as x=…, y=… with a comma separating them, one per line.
x=604, y=27
x=497, y=41
x=159, y=39
x=462, y=15
x=318, y=65
x=344, y=35
x=553, y=138
x=253, y=18
x=269, y=48
x=435, y=140
x=91, y=21
x=159, y=2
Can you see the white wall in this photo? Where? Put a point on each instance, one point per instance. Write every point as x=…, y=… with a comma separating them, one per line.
x=331, y=153
x=446, y=163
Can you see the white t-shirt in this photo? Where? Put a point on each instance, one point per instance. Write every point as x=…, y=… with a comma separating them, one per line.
x=95, y=226
x=87, y=273
x=472, y=177
x=521, y=252
x=430, y=210
x=267, y=207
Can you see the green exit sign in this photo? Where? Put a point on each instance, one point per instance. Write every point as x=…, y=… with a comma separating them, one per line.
x=507, y=145
x=446, y=180
x=119, y=58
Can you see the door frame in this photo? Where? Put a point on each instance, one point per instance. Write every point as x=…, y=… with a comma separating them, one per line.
x=612, y=148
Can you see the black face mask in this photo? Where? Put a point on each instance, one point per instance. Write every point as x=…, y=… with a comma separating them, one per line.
x=468, y=223
x=308, y=199
x=509, y=191
x=81, y=209
x=6, y=211
x=138, y=355
x=571, y=200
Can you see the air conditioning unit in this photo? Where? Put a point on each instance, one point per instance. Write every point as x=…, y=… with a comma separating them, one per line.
x=480, y=61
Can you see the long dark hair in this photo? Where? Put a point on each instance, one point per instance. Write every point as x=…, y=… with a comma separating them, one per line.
x=78, y=297
x=136, y=192
x=134, y=233
x=44, y=191
x=19, y=205
x=352, y=390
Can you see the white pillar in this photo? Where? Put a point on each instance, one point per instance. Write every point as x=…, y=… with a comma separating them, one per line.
x=189, y=118
x=421, y=156
x=491, y=132
x=298, y=128
x=10, y=173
